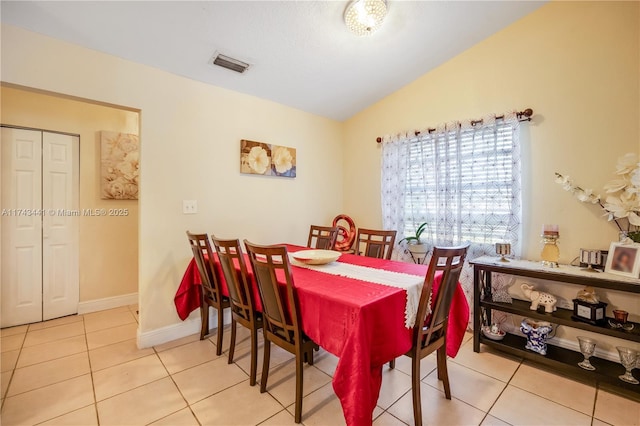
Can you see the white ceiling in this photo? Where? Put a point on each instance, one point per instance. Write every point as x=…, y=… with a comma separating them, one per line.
x=302, y=54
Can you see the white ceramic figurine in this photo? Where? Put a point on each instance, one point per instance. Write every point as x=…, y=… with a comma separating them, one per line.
x=539, y=298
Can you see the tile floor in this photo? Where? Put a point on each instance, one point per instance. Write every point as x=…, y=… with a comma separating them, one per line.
x=87, y=370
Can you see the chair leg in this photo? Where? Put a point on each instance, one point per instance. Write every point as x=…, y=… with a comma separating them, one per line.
x=439, y=362
x=204, y=316
x=299, y=380
x=232, y=344
x=415, y=387
x=220, y=331
x=254, y=357
x=442, y=370
x=265, y=364
x=308, y=356
x=392, y=364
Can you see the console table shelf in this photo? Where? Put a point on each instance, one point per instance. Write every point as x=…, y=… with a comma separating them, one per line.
x=566, y=361
x=563, y=317
x=562, y=360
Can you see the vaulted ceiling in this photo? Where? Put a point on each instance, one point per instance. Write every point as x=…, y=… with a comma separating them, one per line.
x=301, y=53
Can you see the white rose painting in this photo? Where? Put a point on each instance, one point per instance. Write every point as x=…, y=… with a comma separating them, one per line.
x=259, y=158
x=120, y=166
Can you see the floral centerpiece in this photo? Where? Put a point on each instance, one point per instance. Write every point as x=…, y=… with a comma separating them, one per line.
x=622, y=202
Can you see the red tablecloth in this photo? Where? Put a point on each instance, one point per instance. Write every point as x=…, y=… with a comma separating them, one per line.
x=360, y=322
x=187, y=298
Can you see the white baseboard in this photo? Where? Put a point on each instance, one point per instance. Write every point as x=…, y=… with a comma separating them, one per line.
x=107, y=303
x=168, y=333
x=178, y=330
x=575, y=346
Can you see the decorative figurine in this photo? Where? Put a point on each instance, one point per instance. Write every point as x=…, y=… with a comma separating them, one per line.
x=537, y=333
x=587, y=307
x=537, y=298
x=493, y=332
x=588, y=294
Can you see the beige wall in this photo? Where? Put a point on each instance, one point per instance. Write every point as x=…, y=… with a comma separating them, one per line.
x=575, y=64
x=190, y=137
x=108, y=245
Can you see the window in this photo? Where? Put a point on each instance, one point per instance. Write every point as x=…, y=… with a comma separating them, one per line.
x=463, y=180
x=466, y=185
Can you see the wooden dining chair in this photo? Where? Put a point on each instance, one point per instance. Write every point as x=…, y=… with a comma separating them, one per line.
x=281, y=312
x=375, y=243
x=325, y=237
x=241, y=296
x=430, y=329
x=211, y=294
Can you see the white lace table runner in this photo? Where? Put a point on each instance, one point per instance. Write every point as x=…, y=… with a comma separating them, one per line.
x=411, y=284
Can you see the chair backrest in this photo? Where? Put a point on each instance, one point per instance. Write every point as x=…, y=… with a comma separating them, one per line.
x=240, y=294
x=272, y=271
x=378, y=244
x=433, y=325
x=203, y=255
x=325, y=237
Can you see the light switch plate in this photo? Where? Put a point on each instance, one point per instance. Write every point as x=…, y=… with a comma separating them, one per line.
x=189, y=206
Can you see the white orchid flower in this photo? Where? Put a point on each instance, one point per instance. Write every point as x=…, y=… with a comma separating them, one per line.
x=627, y=163
x=616, y=185
x=561, y=179
x=635, y=180
x=623, y=206
x=624, y=199
x=587, y=196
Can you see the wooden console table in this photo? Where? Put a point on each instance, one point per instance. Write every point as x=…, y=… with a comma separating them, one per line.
x=563, y=360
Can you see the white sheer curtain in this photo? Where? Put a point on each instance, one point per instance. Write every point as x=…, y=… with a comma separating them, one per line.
x=463, y=180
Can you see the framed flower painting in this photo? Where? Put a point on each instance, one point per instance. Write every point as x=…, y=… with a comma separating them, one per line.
x=120, y=166
x=259, y=158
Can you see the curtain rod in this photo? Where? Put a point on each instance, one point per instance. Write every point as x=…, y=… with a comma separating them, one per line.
x=522, y=116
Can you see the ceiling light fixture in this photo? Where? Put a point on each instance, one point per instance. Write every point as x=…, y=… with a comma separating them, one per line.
x=364, y=17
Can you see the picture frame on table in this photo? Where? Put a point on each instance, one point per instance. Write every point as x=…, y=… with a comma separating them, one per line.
x=624, y=259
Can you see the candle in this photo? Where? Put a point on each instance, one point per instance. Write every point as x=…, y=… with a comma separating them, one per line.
x=550, y=230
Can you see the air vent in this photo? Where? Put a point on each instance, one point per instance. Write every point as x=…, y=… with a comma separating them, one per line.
x=230, y=63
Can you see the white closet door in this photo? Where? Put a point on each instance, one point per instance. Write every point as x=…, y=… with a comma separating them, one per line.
x=40, y=222
x=60, y=188
x=21, y=226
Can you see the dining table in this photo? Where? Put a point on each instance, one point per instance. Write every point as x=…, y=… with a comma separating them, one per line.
x=363, y=323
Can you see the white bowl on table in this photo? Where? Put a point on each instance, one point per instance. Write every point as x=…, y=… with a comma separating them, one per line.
x=316, y=256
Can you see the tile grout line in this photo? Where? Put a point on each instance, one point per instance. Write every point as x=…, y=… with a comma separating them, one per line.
x=501, y=393
x=95, y=408
x=93, y=386
x=555, y=402
x=13, y=370
x=155, y=351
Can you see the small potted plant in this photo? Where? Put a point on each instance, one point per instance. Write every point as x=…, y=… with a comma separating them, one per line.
x=414, y=243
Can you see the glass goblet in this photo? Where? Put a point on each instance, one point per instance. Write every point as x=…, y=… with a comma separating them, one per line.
x=587, y=348
x=628, y=359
